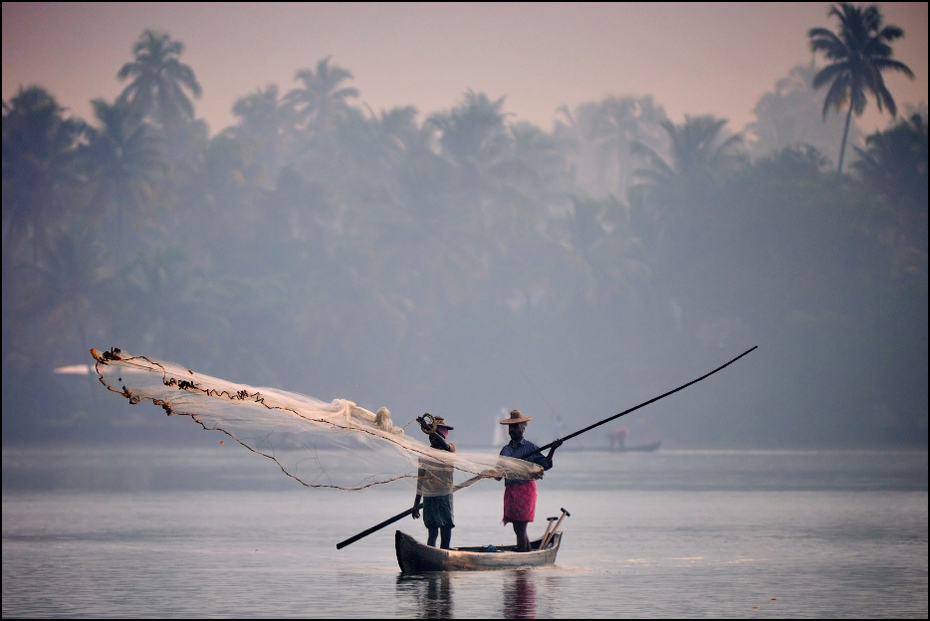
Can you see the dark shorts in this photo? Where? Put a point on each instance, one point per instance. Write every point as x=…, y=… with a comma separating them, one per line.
x=437, y=511
x=520, y=502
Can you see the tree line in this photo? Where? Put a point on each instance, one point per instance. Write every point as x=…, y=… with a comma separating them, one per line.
x=328, y=248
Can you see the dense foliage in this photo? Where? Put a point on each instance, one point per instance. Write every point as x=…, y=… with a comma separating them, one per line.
x=464, y=262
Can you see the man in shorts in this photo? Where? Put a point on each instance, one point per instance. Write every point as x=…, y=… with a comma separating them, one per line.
x=434, y=486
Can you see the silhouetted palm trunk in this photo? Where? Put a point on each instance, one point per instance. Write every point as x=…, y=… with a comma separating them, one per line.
x=839, y=169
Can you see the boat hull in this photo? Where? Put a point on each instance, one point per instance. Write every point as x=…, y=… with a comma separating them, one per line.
x=416, y=557
x=642, y=447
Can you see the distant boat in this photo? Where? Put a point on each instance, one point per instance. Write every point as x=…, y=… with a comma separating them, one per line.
x=652, y=446
x=618, y=438
x=638, y=448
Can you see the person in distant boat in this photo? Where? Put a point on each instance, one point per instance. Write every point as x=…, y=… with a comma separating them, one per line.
x=617, y=438
x=434, y=485
x=520, y=496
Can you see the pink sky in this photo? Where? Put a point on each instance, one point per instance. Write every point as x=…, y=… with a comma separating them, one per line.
x=693, y=58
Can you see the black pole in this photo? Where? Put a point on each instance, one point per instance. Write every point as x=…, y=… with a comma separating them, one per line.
x=607, y=420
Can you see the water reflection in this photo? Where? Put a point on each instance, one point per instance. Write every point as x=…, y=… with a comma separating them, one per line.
x=519, y=595
x=432, y=592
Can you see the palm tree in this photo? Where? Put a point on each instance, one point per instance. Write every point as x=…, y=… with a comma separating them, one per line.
x=619, y=123
x=676, y=206
x=39, y=172
x=321, y=99
x=125, y=165
x=472, y=130
x=160, y=82
x=267, y=123
x=698, y=155
x=859, y=54
x=575, y=133
x=55, y=296
x=401, y=135
x=787, y=117
x=894, y=165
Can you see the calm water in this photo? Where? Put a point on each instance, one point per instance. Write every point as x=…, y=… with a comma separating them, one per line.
x=222, y=533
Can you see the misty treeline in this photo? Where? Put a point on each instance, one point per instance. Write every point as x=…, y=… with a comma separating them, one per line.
x=465, y=261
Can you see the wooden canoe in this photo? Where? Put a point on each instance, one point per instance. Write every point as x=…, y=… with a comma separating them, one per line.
x=416, y=557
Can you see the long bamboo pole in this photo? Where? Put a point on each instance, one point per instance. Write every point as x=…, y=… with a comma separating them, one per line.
x=404, y=514
x=632, y=409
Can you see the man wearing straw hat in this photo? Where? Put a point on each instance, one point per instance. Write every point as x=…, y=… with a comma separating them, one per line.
x=434, y=486
x=520, y=496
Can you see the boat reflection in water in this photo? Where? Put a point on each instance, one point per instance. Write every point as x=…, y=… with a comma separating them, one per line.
x=433, y=596
x=432, y=592
x=519, y=595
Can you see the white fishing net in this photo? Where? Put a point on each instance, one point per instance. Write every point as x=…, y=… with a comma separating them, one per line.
x=335, y=445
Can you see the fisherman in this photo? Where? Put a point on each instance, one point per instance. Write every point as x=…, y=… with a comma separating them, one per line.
x=520, y=495
x=617, y=438
x=434, y=484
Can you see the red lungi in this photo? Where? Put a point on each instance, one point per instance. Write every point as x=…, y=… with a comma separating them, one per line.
x=520, y=502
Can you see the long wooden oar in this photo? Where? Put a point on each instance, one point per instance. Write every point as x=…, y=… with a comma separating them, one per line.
x=404, y=514
x=607, y=420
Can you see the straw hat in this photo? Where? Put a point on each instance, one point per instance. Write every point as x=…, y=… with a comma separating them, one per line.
x=516, y=417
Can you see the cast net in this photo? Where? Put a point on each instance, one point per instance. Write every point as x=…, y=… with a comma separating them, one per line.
x=335, y=445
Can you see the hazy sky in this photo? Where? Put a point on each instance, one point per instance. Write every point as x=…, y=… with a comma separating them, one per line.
x=694, y=58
